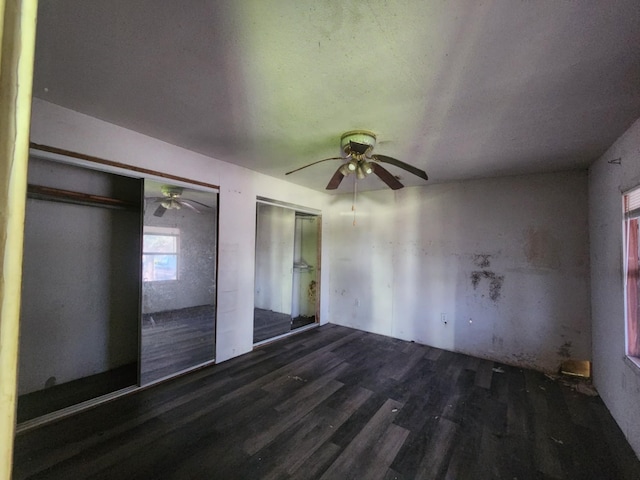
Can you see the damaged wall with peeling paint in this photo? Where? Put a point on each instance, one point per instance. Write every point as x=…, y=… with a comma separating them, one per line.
x=497, y=268
x=617, y=380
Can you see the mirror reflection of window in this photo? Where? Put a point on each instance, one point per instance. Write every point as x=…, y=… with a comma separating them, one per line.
x=160, y=254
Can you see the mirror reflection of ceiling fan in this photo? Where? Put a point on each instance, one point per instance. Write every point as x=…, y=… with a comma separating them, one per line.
x=357, y=147
x=171, y=199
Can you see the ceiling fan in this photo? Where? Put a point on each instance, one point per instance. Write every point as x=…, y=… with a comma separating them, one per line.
x=357, y=146
x=171, y=199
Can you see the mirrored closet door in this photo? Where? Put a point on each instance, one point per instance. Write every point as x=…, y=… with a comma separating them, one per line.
x=287, y=266
x=178, y=279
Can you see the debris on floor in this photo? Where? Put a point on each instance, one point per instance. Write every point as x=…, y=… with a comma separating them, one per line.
x=498, y=370
x=586, y=389
x=578, y=384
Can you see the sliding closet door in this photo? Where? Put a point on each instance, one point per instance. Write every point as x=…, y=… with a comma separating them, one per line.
x=275, y=227
x=287, y=266
x=178, y=279
x=80, y=291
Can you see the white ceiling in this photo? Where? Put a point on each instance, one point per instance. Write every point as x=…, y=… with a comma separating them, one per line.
x=460, y=88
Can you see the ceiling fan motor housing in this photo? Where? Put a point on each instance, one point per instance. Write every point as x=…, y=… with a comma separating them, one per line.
x=171, y=191
x=361, y=137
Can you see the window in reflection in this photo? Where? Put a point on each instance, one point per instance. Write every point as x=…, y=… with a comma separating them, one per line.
x=160, y=254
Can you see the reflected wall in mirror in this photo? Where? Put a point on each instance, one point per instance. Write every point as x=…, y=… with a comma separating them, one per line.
x=178, y=279
x=80, y=287
x=305, y=267
x=287, y=246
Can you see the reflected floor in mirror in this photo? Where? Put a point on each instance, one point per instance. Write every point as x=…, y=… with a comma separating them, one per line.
x=269, y=324
x=176, y=340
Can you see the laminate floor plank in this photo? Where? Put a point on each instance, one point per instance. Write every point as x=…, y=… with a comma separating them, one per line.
x=269, y=427
x=391, y=474
x=464, y=463
x=383, y=452
x=337, y=403
x=318, y=463
x=484, y=374
x=546, y=456
x=355, y=457
x=439, y=450
x=302, y=439
x=350, y=429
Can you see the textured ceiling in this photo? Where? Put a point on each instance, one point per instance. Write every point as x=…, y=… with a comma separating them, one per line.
x=462, y=89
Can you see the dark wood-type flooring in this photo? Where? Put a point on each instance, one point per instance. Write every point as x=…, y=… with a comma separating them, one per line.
x=42, y=402
x=337, y=403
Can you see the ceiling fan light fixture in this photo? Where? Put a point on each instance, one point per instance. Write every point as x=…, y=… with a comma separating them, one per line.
x=352, y=165
x=344, y=169
x=170, y=204
x=366, y=167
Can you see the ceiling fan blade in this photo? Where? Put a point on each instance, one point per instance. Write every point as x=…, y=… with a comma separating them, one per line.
x=194, y=201
x=319, y=161
x=386, y=177
x=335, y=180
x=186, y=204
x=159, y=211
x=401, y=164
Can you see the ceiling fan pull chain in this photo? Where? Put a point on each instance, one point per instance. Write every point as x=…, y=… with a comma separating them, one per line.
x=355, y=196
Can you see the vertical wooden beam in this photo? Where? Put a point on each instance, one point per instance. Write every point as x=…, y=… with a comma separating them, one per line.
x=17, y=34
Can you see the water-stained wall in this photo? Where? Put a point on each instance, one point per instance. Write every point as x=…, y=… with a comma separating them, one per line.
x=497, y=268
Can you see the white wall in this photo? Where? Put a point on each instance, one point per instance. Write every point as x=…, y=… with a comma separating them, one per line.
x=63, y=128
x=506, y=260
x=617, y=381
